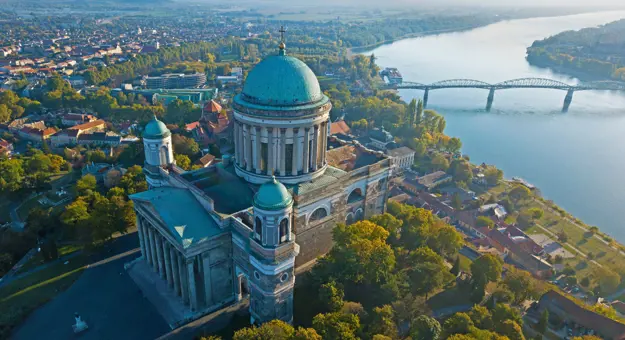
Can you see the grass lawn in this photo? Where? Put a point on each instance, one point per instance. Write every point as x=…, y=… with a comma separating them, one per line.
x=448, y=298
x=27, y=206
x=20, y=297
x=465, y=263
x=38, y=260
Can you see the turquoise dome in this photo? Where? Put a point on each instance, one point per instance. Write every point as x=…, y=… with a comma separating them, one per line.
x=273, y=195
x=156, y=129
x=282, y=80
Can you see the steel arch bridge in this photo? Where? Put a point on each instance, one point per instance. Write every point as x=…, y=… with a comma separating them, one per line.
x=520, y=83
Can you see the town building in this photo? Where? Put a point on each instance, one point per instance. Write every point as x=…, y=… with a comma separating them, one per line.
x=73, y=119
x=428, y=182
x=574, y=313
x=215, y=126
x=6, y=148
x=380, y=138
x=401, y=158
x=244, y=227
x=176, y=81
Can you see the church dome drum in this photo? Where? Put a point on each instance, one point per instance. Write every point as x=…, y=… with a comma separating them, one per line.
x=281, y=122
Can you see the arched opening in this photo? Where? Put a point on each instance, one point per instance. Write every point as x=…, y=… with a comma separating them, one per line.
x=258, y=229
x=284, y=230
x=355, y=196
x=164, y=155
x=349, y=219
x=318, y=214
x=359, y=215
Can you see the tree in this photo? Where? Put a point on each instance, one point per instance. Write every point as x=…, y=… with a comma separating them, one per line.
x=336, y=326
x=331, y=296
x=460, y=170
x=425, y=328
x=487, y=268
x=428, y=271
x=445, y=240
x=389, y=223
x=12, y=175
x=519, y=193
x=593, y=230
x=608, y=280
x=585, y=281
x=456, y=268
x=483, y=221
x=493, y=175
x=536, y=213
x=185, y=145
x=85, y=185
x=412, y=111
x=456, y=201
x=439, y=162
x=5, y=113
x=183, y=161
x=503, y=312
x=459, y=323
x=562, y=236
x=521, y=284
x=511, y=329
x=274, y=329
x=409, y=307
x=543, y=323
x=419, y=113
x=481, y=317
x=382, y=322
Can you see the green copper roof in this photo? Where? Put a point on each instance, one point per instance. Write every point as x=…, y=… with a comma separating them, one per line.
x=187, y=220
x=272, y=196
x=156, y=129
x=281, y=80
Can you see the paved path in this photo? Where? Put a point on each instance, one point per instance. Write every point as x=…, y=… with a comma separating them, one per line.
x=106, y=298
x=568, y=244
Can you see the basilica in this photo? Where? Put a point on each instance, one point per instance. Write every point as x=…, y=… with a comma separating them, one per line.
x=242, y=228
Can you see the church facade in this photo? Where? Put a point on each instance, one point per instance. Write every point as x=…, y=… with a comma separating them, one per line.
x=243, y=227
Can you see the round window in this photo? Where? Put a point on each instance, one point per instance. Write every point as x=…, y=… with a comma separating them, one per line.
x=256, y=276
x=284, y=277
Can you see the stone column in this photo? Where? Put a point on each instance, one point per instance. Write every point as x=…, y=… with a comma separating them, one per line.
x=168, y=271
x=306, y=156
x=192, y=289
x=247, y=137
x=146, y=240
x=241, y=146
x=184, y=278
x=282, y=152
x=208, y=291
x=174, y=270
x=271, y=158
x=159, y=255
x=237, y=155
x=324, y=148
x=315, y=148
x=295, y=164
x=140, y=234
x=154, y=262
x=257, y=149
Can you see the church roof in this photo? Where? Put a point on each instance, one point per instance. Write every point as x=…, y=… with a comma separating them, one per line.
x=186, y=219
x=212, y=107
x=156, y=129
x=281, y=81
x=272, y=195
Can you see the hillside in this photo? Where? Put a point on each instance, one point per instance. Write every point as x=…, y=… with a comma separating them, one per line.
x=596, y=52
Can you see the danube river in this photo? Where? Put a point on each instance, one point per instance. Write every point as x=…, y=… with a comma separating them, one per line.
x=577, y=158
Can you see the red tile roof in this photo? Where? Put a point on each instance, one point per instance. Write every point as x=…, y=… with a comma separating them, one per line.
x=339, y=127
x=212, y=106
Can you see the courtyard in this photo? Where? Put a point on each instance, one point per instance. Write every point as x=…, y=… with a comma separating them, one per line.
x=105, y=297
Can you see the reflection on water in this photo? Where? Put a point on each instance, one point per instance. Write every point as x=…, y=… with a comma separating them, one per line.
x=576, y=158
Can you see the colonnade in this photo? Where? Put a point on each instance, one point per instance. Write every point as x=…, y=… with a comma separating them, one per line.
x=168, y=262
x=284, y=152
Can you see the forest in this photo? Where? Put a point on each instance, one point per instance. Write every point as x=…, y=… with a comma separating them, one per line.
x=597, y=52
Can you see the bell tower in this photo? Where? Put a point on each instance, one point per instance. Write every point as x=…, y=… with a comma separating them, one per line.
x=158, y=151
x=272, y=255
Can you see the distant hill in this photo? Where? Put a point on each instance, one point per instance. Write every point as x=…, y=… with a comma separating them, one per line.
x=598, y=52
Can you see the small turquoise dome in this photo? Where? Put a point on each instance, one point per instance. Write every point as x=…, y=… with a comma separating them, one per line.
x=156, y=129
x=282, y=80
x=272, y=195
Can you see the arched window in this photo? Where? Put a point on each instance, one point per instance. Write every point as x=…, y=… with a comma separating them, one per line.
x=318, y=214
x=164, y=155
x=349, y=219
x=284, y=230
x=359, y=215
x=355, y=196
x=259, y=229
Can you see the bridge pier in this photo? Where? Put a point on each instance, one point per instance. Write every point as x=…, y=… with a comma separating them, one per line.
x=491, y=97
x=567, y=100
x=425, y=97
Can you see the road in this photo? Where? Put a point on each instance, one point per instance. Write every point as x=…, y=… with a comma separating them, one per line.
x=105, y=297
